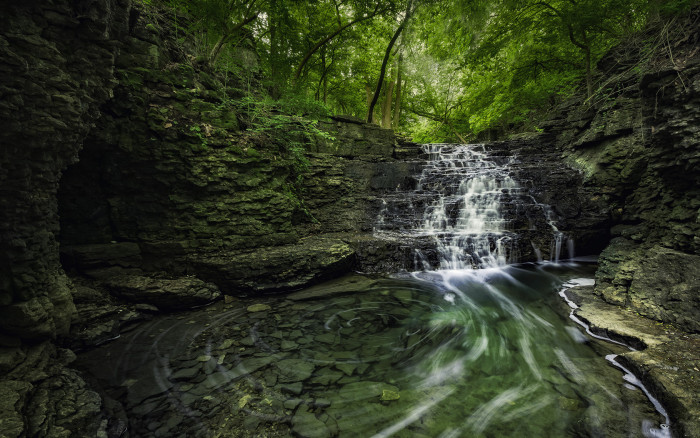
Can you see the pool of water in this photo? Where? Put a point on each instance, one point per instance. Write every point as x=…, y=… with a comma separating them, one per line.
x=464, y=353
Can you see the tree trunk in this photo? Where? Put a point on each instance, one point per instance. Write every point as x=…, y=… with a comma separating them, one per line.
x=368, y=94
x=397, y=102
x=325, y=40
x=274, y=48
x=216, y=51
x=454, y=131
x=382, y=71
x=589, y=75
x=386, y=108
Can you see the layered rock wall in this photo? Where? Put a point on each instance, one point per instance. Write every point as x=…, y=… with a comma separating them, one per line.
x=56, y=68
x=174, y=178
x=636, y=144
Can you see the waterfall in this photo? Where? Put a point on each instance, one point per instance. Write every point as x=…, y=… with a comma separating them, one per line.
x=463, y=210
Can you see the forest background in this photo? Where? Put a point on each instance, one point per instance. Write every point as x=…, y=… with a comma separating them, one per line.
x=434, y=70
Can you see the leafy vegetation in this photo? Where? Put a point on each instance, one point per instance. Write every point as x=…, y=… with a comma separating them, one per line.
x=438, y=70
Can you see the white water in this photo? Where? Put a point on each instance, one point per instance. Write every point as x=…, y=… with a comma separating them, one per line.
x=463, y=178
x=465, y=203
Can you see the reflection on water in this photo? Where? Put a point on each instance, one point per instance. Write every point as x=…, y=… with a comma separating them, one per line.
x=466, y=353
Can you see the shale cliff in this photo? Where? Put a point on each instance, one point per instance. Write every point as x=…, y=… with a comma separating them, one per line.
x=636, y=144
x=56, y=68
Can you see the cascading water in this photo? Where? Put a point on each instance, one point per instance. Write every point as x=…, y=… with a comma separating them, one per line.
x=468, y=205
x=466, y=218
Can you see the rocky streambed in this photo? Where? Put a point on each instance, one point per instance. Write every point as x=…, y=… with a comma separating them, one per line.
x=444, y=353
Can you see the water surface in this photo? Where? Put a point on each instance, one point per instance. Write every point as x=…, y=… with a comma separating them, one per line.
x=450, y=353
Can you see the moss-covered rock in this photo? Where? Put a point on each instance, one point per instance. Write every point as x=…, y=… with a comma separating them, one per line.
x=273, y=269
x=656, y=282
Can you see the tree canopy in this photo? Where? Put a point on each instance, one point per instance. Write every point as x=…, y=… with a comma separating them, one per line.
x=438, y=70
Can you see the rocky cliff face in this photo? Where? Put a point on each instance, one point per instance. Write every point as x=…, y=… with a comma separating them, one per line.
x=637, y=146
x=172, y=181
x=56, y=68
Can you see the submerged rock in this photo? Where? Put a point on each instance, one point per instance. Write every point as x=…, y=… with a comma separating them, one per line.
x=258, y=308
x=306, y=425
x=294, y=370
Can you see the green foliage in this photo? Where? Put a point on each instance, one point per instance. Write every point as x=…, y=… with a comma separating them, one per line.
x=290, y=123
x=673, y=7
x=468, y=67
x=513, y=59
x=196, y=130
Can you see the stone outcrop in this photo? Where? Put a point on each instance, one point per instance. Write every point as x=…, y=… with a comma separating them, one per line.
x=636, y=145
x=170, y=180
x=56, y=69
x=665, y=359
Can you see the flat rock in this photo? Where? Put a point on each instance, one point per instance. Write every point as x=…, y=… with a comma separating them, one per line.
x=164, y=293
x=668, y=365
x=348, y=284
x=305, y=424
x=258, y=308
x=365, y=390
x=124, y=254
x=294, y=370
x=278, y=268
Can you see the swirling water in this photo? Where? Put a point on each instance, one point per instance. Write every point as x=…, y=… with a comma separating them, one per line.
x=447, y=351
x=436, y=354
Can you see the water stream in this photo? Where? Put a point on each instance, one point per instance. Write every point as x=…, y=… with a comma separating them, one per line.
x=444, y=351
x=468, y=212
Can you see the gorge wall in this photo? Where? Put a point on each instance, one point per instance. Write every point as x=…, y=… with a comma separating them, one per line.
x=56, y=68
x=637, y=146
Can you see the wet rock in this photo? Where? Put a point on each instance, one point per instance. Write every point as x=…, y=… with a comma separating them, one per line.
x=659, y=283
x=366, y=390
x=305, y=424
x=291, y=388
x=389, y=395
x=254, y=364
x=294, y=370
x=347, y=368
x=258, y=308
x=164, y=293
x=326, y=377
x=62, y=404
x=292, y=403
x=326, y=338
x=226, y=344
x=147, y=388
x=667, y=360
x=185, y=374
x=217, y=380
x=288, y=345
x=346, y=285
x=11, y=404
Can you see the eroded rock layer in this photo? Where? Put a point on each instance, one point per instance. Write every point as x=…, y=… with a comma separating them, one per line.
x=637, y=145
x=56, y=68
